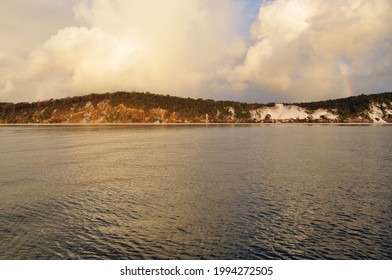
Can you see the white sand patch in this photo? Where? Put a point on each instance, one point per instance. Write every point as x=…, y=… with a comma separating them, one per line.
x=323, y=112
x=280, y=112
x=387, y=109
x=376, y=114
x=89, y=105
x=231, y=110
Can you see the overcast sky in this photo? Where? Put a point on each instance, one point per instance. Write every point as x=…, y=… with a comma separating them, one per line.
x=246, y=50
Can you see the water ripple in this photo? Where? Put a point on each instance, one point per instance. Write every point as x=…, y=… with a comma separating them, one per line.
x=195, y=193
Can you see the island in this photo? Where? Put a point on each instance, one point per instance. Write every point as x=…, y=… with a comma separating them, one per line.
x=139, y=107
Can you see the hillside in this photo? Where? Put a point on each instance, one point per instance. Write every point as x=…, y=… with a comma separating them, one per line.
x=135, y=107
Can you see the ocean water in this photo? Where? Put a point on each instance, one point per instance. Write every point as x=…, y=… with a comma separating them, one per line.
x=196, y=192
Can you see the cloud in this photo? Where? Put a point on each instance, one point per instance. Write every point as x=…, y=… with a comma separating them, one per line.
x=295, y=50
x=165, y=46
x=301, y=47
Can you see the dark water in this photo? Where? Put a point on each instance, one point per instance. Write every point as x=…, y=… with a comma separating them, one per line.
x=196, y=192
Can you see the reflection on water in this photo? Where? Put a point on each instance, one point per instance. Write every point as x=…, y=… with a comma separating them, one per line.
x=196, y=192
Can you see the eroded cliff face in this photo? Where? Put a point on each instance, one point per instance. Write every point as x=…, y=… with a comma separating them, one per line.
x=377, y=113
x=103, y=112
x=189, y=111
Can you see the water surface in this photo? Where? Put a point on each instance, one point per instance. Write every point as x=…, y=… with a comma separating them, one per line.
x=196, y=192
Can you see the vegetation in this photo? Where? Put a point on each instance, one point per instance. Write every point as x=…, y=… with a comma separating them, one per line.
x=350, y=107
x=148, y=107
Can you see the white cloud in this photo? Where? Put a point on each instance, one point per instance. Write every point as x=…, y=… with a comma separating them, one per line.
x=299, y=47
x=165, y=46
x=297, y=50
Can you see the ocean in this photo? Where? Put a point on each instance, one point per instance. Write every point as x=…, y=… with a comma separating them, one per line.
x=196, y=192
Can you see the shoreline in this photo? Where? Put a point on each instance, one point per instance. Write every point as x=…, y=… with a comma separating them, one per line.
x=187, y=124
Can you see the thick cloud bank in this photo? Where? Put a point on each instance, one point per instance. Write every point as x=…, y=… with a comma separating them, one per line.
x=166, y=46
x=312, y=49
x=297, y=50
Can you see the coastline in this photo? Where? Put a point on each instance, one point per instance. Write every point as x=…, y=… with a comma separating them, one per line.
x=188, y=124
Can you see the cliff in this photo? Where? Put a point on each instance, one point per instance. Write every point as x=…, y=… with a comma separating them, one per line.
x=134, y=107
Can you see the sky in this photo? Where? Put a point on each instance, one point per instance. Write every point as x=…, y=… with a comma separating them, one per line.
x=245, y=50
